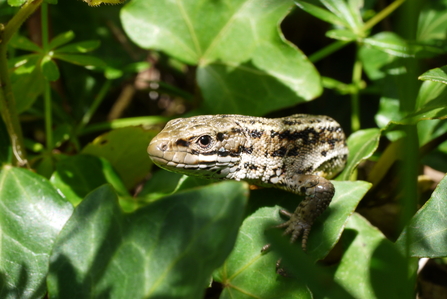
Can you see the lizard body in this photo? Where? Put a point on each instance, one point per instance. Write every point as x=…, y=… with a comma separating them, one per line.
x=298, y=153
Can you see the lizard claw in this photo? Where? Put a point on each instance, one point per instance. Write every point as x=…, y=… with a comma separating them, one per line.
x=296, y=227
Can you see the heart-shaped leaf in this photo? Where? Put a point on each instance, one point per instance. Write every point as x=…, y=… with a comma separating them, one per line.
x=167, y=249
x=32, y=213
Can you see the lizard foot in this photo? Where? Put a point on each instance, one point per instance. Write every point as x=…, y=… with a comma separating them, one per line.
x=296, y=227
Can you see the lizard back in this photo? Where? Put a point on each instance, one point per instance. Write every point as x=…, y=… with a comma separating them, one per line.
x=262, y=151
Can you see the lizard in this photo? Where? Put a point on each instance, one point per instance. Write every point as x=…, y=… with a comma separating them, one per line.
x=298, y=153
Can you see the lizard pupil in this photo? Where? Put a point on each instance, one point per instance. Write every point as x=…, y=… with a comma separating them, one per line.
x=204, y=141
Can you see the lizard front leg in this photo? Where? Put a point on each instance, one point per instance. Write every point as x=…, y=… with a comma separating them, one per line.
x=318, y=193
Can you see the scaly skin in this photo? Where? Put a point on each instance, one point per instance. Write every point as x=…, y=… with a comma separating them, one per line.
x=298, y=153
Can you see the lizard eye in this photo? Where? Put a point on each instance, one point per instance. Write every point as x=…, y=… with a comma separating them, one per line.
x=204, y=141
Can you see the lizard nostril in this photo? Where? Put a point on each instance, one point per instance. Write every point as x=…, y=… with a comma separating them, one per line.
x=163, y=147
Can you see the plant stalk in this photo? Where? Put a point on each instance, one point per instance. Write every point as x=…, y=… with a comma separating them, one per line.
x=382, y=14
x=326, y=51
x=355, y=106
x=47, y=88
x=7, y=100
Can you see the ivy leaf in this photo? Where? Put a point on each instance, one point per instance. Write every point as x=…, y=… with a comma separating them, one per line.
x=167, y=249
x=371, y=266
x=32, y=214
x=427, y=231
x=79, y=175
x=248, y=271
x=237, y=46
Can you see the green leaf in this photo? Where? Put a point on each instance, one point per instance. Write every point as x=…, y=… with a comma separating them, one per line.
x=434, y=109
x=436, y=75
x=5, y=145
x=112, y=73
x=391, y=43
x=16, y=2
x=27, y=74
x=84, y=60
x=80, y=47
x=145, y=121
x=432, y=24
x=320, y=13
x=167, y=249
x=78, y=175
x=45, y=165
x=23, y=43
x=248, y=271
x=348, y=12
x=362, y=144
x=61, y=39
x=162, y=183
x=126, y=150
x=99, y=2
x=430, y=91
x=426, y=233
x=49, y=69
x=234, y=36
x=371, y=266
x=389, y=112
x=341, y=34
x=244, y=89
x=32, y=214
x=378, y=64
x=61, y=134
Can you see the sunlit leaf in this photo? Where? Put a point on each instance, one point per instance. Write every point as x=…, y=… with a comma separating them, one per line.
x=77, y=176
x=362, y=144
x=249, y=271
x=80, y=47
x=32, y=214
x=371, y=266
x=61, y=39
x=236, y=46
x=126, y=150
x=320, y=13
x=426, y=234
x=436, y=75
x=84, y=60
x=99, y=2
x=167, y=249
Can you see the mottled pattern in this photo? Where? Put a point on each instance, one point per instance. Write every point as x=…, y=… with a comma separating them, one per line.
x=296, y=153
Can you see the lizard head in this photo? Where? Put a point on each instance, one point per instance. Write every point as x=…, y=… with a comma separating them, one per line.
x=206, y=145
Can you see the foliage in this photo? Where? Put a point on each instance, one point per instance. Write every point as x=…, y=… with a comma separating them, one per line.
x=89, y=216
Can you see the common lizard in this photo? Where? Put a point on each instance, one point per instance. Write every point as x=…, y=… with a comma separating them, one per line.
x=298, y=153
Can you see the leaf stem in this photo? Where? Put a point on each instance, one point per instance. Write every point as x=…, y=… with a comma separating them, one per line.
x=96, y=102
x=47, y=88
x=382, y=14
x=356, y=82
x=326, y=51
x=7, y=100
